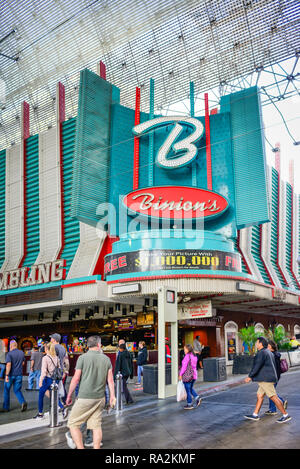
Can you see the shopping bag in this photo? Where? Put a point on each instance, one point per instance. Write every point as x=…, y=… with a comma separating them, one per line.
x=181, y=392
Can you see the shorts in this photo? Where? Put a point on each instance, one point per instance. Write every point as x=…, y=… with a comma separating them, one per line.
x=87, y=411
x=266, y=388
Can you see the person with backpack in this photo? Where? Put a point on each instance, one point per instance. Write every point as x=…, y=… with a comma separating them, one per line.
x=188, y=375
x=50, y=372
x=124, y=365
x=264, y=373
x=272, y=408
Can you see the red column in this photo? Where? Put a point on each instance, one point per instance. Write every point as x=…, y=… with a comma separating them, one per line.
x=61, y=116
x=25, y=132
x=136, y=151
x=208, y=148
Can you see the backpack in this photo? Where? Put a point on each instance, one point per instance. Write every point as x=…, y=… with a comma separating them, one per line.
x=57, y=373
x=188, y=375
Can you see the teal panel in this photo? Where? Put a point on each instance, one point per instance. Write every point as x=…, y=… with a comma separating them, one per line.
x=255, y=251
x=248, y=156
x=32, y=200
x=274, y=226
x=71, y=225
x=2, y=205
x=92, y=146
x=289, y=234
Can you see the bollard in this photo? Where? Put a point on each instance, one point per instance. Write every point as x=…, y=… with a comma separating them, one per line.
x=54, y=406
x=119, y=382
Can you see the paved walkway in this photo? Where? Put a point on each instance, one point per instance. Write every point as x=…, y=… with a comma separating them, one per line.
x=163, y=424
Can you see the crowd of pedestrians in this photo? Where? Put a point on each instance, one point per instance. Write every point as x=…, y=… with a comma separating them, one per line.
x=93, y=382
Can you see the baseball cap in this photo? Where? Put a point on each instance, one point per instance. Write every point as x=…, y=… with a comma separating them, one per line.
x=56, y=337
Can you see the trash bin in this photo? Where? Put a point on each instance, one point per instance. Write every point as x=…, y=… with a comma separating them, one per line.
x=150, y=378
x=214, y=369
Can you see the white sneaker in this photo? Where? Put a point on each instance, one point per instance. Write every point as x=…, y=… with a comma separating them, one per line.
x=70, y=441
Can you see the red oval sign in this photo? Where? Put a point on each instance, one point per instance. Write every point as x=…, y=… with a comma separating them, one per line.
x=175, y=202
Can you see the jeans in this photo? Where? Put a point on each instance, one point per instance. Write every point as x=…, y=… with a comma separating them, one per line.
x=140, y=371
x=34, y=376
x=2, y=369
x=45, y=387
x=190, y=391
x=16, y=382
x=272, y=406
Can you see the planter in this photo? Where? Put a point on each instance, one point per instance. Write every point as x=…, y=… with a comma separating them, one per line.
x=242, y=364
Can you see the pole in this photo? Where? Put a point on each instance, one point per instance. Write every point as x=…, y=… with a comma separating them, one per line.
x=54, y=406
x=119, y=403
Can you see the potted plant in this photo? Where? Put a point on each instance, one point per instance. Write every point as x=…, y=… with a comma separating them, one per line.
x=278, y=335
x=242, y=363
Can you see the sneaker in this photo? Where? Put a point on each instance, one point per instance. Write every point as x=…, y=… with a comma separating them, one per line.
x=91, y=444
x=270, y=412
x=39, y=416
x=284, y=419
x=70, y=441
x=285, y=404
x=198, y=401
x=188, y=407
x=65, y=412
x=252, y=417
x=24, y=407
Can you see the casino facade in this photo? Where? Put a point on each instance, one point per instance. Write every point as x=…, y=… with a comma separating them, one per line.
x=97, y=213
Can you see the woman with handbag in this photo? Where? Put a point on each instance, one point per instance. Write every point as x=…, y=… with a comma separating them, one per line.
x=50, y=363
x=272, y=408
x=188, y=375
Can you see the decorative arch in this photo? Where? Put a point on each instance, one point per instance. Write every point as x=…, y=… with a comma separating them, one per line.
x=231, y=341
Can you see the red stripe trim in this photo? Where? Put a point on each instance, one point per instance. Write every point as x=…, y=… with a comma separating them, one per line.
x=208, y=148
x=136, y=150
x=68, y=285
x=241, y=253
x=25, y=135
x=102, y=70
x=261, y=257
x=61, y=119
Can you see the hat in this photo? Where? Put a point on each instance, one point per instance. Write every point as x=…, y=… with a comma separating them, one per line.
x=56, y=337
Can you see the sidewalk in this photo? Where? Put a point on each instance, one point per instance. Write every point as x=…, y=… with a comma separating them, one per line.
x=17, y=424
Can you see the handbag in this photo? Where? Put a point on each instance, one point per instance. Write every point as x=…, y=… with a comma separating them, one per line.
x=57, y=373
x=188, y=375
x=283, y=365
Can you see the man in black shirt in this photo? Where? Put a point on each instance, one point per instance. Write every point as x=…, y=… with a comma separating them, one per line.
x=124, y=365
x=14, y=376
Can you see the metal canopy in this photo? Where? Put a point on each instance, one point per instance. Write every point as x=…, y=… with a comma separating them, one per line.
x=214, y=43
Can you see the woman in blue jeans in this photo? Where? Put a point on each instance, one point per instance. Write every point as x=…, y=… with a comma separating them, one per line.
x=49, y=362
x=188, y=375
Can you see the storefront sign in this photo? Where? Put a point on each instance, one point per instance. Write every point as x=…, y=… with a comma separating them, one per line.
x=160, y=260
x=39, y=274
x=200, y=310
x=278, y=294
x=124, y=324
x=208, y=322
x=175, y=202
x=144, y=319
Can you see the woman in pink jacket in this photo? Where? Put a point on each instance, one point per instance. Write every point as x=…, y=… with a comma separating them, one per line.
x=188, y=375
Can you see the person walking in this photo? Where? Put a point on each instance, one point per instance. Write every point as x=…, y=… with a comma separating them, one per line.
x=93, y=370
x=264, y=373
x=35, y=368
x=50, y=361
x=15, y=360
x=188, y=375
x=198, y=347
x=272, y=408
x=2, y=358
x=61, y=352
x=124, y=365
x=141, y=361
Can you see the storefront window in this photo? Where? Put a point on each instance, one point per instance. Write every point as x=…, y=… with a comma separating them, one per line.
x=231, y=341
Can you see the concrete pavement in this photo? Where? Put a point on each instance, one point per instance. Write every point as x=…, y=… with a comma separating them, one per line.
x=218, y=423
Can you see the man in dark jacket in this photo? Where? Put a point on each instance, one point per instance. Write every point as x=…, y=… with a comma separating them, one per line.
x=264, y=372
x=273, y=348
x=141, y=361
x=124, y=365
